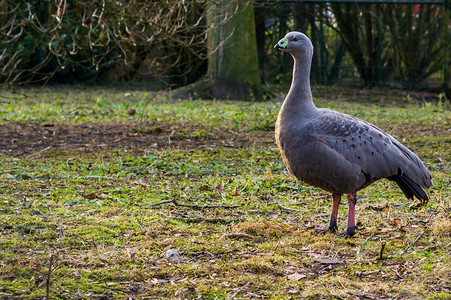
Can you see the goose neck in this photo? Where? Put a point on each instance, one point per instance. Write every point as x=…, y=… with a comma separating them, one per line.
x=301, y=76
x=300, y=91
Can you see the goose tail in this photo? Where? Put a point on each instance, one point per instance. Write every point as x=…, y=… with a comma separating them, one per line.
x=409, y=187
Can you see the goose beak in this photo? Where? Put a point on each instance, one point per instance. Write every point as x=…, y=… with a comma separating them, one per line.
x=282, y=44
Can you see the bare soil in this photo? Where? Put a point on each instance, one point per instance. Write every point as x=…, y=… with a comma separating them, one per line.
x=19, y=139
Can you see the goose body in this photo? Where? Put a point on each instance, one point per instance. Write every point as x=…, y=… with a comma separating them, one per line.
x=338, y=152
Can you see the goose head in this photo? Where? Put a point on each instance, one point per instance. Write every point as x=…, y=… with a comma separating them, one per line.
x=297, y=44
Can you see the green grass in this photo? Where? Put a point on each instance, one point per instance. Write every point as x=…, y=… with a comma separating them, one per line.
x=93, y=206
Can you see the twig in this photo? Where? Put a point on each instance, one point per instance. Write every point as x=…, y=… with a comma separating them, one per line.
x=412, y=244
x=381, y=253
x=364, y=243
x=98, y=177
x=48, y=277
x=7, y=222
x=176, y=203
x=9, y=97
x=204, y=206
x=161, y=202
x=239, y=235
x=40, y=151
x=201, y=220
x=288, y=208
x=150, y=99
x=330, y=292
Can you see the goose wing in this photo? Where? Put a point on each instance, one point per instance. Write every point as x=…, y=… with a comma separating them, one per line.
x=378, y=154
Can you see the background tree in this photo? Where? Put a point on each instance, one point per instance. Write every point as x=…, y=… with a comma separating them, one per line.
x=402, y=42
x=233, y=70
x=418, y=50
x=132, y=40
x=274, y=21
x=365, y=42
x=168, y=43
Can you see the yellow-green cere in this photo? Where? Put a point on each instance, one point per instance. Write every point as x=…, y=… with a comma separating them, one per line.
x=283, y=43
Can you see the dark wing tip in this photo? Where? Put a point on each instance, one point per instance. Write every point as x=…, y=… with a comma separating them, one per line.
x=409, y=187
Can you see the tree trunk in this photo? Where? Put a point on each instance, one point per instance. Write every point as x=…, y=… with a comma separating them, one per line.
x=233, y=69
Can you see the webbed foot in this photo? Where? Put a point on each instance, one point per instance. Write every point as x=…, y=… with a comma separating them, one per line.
x=331, y=229
x=350, y=232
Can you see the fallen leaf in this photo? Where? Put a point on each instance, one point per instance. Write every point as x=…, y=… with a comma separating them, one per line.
x=296, y=276
x=184, y=292
x=91, y=196
x=235, y=193
x=153, y=281
x=173, y=255
x=144, y=181
x=264, y=197
x=324, y=215
x=293, y=292
x=219, y=189
x=380, y=207
x=328, y=261
x=239, y=236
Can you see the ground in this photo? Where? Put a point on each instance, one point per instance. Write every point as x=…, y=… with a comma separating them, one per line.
x=99, y=186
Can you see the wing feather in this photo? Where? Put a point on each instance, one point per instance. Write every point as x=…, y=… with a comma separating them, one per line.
x=378, y=154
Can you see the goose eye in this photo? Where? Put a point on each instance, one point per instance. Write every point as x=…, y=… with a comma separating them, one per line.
x=295, y=39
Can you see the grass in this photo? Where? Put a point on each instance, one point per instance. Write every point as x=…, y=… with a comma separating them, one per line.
x=89, y=177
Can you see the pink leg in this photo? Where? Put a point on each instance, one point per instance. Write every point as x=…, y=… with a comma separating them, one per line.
x=352, y=200
x=333, y=216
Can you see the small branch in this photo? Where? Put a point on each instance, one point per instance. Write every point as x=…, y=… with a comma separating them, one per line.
x=40, y=151
x=381, y=253
x=239, y=235
x=99, y=177
x=149, y=100
x=288, y=208
x=204, y=206
x=364, y=243
x=48, y=277
x=202, y=220
x=161, y=202
x=412, y=244
x=6, y=223
x=176, y=203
